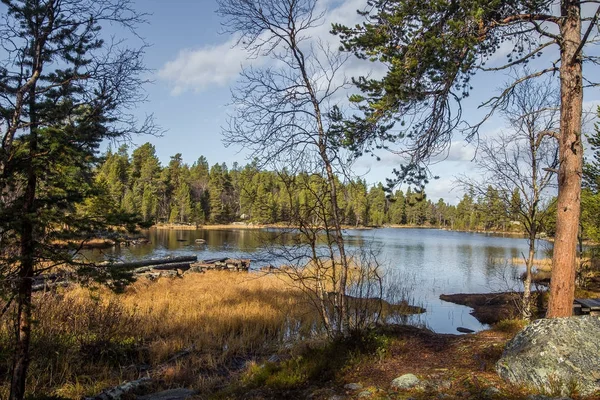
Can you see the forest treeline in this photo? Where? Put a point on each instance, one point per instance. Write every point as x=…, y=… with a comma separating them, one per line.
x=218, y=194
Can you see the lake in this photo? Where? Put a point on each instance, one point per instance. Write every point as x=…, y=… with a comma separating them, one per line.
x=426, y=262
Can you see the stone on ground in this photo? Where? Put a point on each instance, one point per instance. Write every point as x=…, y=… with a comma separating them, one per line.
x=353, y=386
x=406, y=381
x=173, y=394
x=555, y=355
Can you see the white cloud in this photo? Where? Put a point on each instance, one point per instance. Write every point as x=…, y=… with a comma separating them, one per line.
x=459, y=151
x=444, y=188
x=199, y=69
x=220, y=64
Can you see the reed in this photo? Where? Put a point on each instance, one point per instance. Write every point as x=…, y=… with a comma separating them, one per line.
x=87, y=339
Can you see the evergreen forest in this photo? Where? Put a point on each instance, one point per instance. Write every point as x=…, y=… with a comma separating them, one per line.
x=202, y=194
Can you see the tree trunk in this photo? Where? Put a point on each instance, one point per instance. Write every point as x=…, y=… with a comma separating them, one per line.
x=526, y=312
x=562, y=285
x=26, y=272
x=23, y=337
x=27, y=262
x=321, y=141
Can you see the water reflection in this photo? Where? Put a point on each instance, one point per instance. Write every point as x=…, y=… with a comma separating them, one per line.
x=423, y=262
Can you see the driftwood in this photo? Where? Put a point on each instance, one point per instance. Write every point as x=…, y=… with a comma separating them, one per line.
x=174, y=266
x=144, y=267
x=213, y=260
x=226, y=264
x=146, y=263
x=152, y=269
x=117, y=392
x=36, y=287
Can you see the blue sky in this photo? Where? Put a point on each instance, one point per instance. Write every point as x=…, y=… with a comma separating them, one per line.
x=194, y=68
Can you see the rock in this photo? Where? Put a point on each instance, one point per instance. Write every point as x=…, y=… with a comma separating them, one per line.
x=364, y=394
x=404, y=382
x=173, y=394
x=491, y=393
x=464, y=330
x=321, y=393
x=337, y=397
x=555, y=355
x=274, y=359
x=353, y=386
x=438, y=385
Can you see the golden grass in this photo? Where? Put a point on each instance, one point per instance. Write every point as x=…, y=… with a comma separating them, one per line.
x=542, y=264
x=84, y=338
x=89, y=339
x=234, y=312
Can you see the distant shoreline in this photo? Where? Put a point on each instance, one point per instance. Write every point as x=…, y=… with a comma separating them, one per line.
x=250, y=226
x=238, y=226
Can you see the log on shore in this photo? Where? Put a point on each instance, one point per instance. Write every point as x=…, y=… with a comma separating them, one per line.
x=119, y=391
x=146, y=263
x=213, y=260
x=184, y=266
x=227, y=264
x=36, y=287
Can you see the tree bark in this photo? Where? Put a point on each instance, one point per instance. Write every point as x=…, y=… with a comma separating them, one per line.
x=26, y=269
x=343, y=323
x=23, y=337
x=562, y=285
x=526, y=313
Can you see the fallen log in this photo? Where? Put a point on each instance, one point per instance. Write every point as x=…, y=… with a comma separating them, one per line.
x=160, y=274
x=214, y=260
x=118, y=392
x=146, y=263
x=48, y=285
x=227, y=264
x=174, y=266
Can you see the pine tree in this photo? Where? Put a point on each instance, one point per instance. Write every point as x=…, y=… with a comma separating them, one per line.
x=63, y=91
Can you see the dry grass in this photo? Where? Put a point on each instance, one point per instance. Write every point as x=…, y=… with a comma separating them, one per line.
x=86, y=340
x=89, y=339
x=541, y=264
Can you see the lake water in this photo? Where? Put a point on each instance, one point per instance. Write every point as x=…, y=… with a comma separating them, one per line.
x=427, y=262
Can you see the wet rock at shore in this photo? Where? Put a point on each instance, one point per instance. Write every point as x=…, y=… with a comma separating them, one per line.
x=488, y=308
x=559, y=354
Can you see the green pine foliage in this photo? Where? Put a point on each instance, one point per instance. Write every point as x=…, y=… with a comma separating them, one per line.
x=199, y=194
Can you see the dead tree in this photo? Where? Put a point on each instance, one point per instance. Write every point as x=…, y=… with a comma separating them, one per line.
x=523, y=160
x=282, y=110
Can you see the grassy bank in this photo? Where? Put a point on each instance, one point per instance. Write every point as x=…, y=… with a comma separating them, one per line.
x=229, y=335
x=194, y=331
x=448, y=366
x=86, y=340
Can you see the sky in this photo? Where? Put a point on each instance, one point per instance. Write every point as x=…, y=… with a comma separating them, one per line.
x=194, y=67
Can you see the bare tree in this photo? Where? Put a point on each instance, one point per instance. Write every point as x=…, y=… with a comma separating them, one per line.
x=432, y=52
x=282, y=111
x=524, y=161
